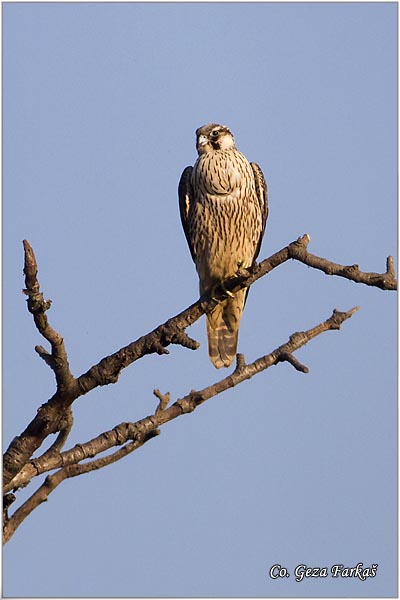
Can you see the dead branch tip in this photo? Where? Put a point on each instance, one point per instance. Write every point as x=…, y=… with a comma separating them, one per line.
x=182, y=338
x=339, y=317
x=163, y=400
x=240, y=363
x=288, y=357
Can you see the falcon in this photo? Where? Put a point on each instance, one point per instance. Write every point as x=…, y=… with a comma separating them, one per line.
x=223, y=206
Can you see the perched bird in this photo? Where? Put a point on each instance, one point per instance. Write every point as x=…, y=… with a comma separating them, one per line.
x=223, y=205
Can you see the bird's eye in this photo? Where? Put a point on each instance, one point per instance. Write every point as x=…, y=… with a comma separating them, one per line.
x=215, y=133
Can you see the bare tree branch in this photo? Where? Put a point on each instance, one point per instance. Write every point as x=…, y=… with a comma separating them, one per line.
x=38, y=306
x=172, y=331
x=384, y=281
x=145, y=429
x=55, y=416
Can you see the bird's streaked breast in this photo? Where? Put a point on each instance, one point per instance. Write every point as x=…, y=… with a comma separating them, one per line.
x=221, y=172
x=226, y=218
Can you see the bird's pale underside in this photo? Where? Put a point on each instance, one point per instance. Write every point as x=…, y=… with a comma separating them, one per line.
x=224, y=207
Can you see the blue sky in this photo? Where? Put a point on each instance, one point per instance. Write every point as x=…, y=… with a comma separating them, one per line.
x=100, y=105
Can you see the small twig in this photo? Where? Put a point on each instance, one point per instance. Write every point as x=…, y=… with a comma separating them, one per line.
x=285, y=356
x=65, y=428
x=159, y=348
x=182, y=338
x=390, y=267
x=48, y=359
x=164, y=400
x=240, y=363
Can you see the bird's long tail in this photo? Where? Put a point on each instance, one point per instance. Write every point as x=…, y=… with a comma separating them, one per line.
x=223, y=328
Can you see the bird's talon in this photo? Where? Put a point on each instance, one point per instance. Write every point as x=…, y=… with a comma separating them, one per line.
x=227, y=292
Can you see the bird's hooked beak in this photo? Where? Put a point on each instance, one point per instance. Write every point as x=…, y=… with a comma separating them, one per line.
x=202, y=141
x=203, y=144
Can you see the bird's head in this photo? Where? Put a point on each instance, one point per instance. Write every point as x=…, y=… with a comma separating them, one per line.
x=214, y=137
